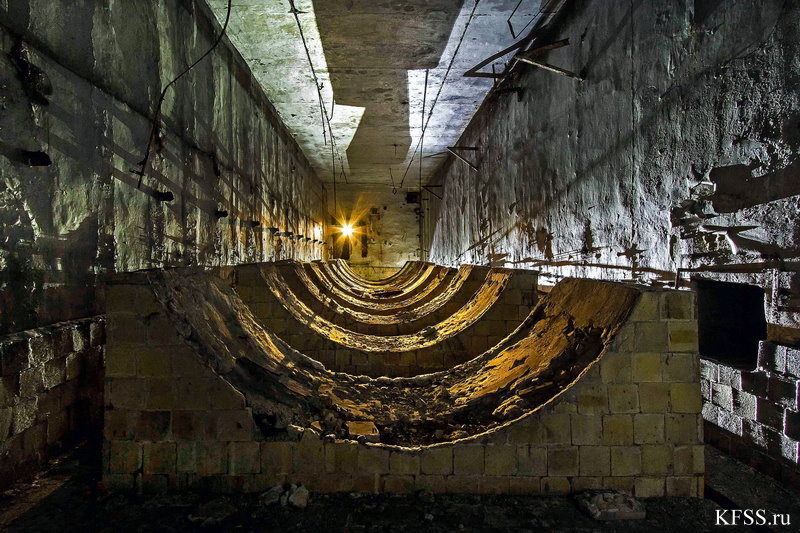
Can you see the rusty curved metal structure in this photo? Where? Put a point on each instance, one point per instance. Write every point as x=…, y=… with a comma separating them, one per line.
x=418, y=290
x=405, y=319
x=560, y=340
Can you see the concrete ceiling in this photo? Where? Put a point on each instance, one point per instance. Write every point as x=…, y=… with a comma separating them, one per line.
x=371, y=58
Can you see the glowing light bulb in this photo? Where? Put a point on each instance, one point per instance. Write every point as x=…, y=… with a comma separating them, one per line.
x=347, y=230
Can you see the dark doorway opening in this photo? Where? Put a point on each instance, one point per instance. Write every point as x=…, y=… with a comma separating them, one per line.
x=730, y=321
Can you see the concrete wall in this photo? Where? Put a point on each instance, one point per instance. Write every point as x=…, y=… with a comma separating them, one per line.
x=104, y=64
x=389, y=226
x=78, y=84
x=675, y=157
x=686, y=123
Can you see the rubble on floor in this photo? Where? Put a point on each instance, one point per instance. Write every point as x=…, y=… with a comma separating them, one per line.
x=77, y=504
x=610, y=505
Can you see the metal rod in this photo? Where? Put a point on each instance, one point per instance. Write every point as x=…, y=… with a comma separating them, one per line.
x=551, y=68
x=430, y=191
x=422, y=126
x=441, y=86
x=473, y=167
x=540, y=50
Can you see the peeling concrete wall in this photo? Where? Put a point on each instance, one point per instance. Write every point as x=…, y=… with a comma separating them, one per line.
x=677, y=151
x=387, y=229
x=78, y=83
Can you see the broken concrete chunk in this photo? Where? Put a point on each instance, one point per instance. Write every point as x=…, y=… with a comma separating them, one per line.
x=610, y=505
x=272, y=496
x=294, y=432
x=298, y=496
x=365, y=431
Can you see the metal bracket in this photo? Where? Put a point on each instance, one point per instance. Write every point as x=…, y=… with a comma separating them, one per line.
x=530, y=55
x=473, y=72
x=430, y=191
x=452, y=150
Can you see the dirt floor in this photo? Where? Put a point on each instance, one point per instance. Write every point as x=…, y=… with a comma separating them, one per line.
x=65, y=497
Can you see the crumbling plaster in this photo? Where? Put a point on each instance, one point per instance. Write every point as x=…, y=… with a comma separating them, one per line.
x=95, y=71
x=678, y=150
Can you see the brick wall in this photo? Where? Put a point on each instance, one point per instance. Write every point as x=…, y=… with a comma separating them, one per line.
x=50, y=393
x=753, y=415
x=632, y=422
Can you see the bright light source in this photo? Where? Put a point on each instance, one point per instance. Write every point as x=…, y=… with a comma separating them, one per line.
x=347, y=230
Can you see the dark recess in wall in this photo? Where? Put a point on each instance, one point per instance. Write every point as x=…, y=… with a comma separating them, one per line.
x=731, y=321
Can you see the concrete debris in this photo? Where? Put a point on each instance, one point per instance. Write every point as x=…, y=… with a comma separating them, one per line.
x=363, y=431
x=298, y=496
x=295, y=496
x=294, y=432
x=272, y=496
x=610, y=505
x=212, y=513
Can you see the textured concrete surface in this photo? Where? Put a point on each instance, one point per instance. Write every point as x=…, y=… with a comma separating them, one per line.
x=370, y=58
x=386, y=228
x=678, y=150
x=223, y=147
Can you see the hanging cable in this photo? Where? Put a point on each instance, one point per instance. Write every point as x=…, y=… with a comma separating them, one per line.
x=422, y=136
x=143, y=163
x=324, y=117
x=439, y=92
x=514, y=34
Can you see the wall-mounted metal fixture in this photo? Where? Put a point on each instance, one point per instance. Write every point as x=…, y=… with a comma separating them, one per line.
x=163, y=196
x=308, y=239
x=427, y=188
x=221, y=213
x=298, y=237
x=255, y=223
x=273, y=231
x=452, y=150
x=530, y=56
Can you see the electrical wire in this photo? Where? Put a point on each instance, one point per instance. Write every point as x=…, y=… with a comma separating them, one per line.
x=514, y=34
x=439, y=92
x=422, y=137
x=324, y=117
x=163, y=95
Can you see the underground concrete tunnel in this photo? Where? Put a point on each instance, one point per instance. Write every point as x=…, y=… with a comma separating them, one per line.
x=400, y=265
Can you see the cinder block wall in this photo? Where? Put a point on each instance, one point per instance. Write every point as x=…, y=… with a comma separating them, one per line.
x=50, y=393
x=753, y=415
x=632, y=422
